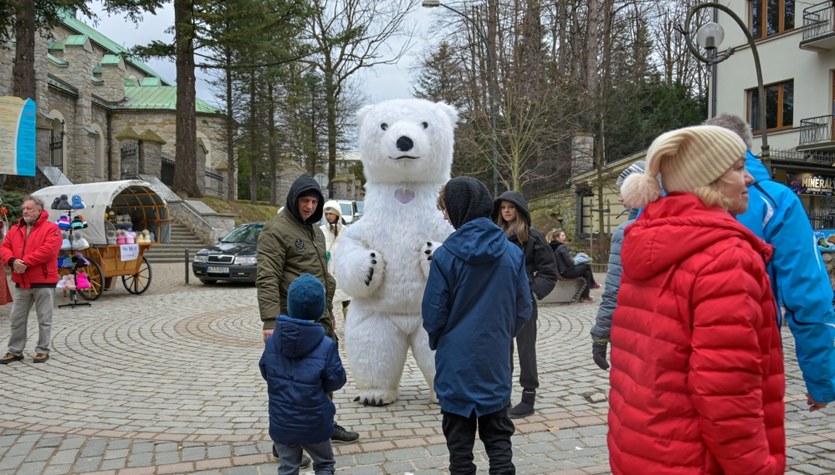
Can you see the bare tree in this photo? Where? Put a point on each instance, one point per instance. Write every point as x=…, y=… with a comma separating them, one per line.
x=351, y=35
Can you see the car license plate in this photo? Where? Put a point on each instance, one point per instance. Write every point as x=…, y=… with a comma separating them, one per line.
x=217, y=270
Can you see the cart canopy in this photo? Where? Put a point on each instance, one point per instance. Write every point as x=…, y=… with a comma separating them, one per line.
x=147, y=209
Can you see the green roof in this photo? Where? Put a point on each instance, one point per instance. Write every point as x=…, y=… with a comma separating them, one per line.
x=158, y=97
x=57, y=60
x=150, y=82
x=105, y=42
x=110, y=59
x=75, y=40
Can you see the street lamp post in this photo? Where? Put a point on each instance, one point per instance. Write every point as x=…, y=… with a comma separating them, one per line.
x=709, y=37
x=492, y=73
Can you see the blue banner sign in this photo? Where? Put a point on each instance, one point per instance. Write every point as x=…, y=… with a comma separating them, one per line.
x=17, y=136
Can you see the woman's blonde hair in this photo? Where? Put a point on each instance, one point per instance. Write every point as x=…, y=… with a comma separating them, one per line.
x=552, y=234
x=712, y=196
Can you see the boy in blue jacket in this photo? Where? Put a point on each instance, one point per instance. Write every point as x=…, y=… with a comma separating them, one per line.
x=476, y=299
x=301, y=366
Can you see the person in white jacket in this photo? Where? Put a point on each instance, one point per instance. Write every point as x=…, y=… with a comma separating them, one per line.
x=333, y=228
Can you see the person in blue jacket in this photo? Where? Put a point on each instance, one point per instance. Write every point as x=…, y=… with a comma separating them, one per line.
x=603, y=322
x=476, y=299
x=301, y=366
x=798, y=275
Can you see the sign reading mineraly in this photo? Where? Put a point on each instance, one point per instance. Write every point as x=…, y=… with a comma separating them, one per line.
x=810, y=184
x=17, y=136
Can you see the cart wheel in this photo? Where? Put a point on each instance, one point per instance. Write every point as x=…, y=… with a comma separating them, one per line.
x=96, y=278
x=139, y=282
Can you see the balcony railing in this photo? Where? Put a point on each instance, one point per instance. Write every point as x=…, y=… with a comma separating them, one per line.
x=816, y=130
x=816, y=157
x=817, y=25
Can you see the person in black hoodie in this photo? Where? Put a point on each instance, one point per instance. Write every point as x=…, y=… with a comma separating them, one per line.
x=510, y=212
x=566, y=266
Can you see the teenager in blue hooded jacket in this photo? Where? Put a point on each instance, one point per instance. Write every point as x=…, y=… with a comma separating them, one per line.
x=798, y=275
x=476, y=299
x=301, y=366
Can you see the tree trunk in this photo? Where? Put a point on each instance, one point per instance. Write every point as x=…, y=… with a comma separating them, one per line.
x=330, y=99
x=24, y=63
x=185, y=168
x=253, y=143
x=271, y=144
x=231, y=160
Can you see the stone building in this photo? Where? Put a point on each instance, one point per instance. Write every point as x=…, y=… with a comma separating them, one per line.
x=103, y=115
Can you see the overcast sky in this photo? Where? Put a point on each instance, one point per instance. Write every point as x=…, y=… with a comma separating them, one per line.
x=379, y=83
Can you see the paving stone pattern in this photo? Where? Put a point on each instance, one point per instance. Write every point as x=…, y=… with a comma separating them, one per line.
x=168, y=382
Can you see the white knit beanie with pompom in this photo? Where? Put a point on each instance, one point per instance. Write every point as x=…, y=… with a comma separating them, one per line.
x=686, y=159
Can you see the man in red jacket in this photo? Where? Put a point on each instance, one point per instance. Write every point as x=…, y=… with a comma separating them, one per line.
x=30, y=249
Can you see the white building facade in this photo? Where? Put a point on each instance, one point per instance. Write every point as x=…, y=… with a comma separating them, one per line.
x=796, y=45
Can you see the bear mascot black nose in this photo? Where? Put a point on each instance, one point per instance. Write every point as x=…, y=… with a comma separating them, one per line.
x=404, y=144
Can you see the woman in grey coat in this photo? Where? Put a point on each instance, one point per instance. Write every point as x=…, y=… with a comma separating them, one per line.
x=603, y=322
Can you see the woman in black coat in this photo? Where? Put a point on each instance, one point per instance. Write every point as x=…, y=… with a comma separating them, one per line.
x=510, y=212
x=566, y=266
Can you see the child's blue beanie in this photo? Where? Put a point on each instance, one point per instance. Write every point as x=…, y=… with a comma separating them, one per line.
x=306, y=298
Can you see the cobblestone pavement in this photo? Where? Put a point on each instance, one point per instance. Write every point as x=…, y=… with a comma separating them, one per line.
x=167, y=382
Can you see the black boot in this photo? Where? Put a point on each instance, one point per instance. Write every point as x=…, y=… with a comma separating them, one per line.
x=524, y=408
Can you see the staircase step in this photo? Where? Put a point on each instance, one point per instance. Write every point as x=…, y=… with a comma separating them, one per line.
x=180, y=239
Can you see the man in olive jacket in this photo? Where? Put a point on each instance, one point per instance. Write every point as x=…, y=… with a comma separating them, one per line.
x=290, y=245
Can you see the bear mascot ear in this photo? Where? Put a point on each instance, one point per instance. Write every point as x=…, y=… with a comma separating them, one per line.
x=362, y=113
x=450, y=112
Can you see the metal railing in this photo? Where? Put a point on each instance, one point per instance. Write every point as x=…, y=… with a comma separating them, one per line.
x=817, y=21
x=816, y=130
x=824, y=219
x=816, y=157
x=130, y=161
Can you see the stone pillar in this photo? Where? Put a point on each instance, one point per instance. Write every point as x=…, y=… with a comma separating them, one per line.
x=112, y=87
x=582, y=153
x=78, y=52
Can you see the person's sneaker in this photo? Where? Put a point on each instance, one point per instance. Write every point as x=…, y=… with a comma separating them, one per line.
x=342, y=435
x=586, y=299
x=9, y=357
x=305, y=459
x=40, y=357
x=597, y=286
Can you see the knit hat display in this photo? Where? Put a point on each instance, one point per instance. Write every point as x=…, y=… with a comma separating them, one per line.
x=62, y=204
x=77, y=202
x=466, y=199
x=306, y=298
x=686, y=159
x=637, y=167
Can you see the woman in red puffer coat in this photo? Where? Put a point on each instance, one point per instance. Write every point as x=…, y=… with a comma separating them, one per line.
x=697, y=377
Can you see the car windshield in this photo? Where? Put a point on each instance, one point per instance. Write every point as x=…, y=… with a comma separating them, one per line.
x=247, y=233
x=346, y=209
x=360, y=206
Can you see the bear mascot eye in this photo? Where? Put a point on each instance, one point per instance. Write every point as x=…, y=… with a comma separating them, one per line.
x=425, y=125
x=384, y=126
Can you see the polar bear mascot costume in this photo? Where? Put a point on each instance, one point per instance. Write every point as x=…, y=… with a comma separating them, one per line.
x=383, y=260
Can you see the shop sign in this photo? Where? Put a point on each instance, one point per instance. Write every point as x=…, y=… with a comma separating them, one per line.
x=811, y=184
